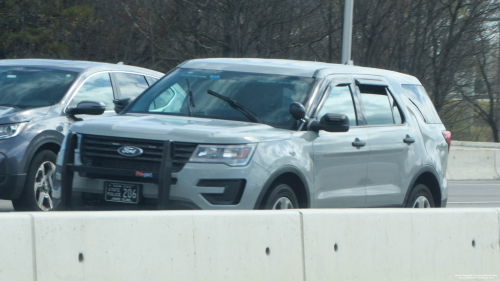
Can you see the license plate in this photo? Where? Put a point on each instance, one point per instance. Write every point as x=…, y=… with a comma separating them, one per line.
x=121, y=192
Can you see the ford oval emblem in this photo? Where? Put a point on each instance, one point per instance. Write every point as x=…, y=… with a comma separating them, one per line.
x=130, y=151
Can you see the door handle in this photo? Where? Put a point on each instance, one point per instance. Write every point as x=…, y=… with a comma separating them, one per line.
x=357, y=143
x=408, y=139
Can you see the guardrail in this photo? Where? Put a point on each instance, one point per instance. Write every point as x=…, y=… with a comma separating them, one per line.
x=380, y=244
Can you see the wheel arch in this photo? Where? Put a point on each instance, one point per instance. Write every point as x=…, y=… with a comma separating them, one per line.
x=47, y=140
x=292, y=176
x=429, y=177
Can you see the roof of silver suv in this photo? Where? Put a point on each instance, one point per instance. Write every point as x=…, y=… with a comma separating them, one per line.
x=291, y=68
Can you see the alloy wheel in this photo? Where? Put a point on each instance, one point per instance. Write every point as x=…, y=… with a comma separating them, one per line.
x=44, y=181
x=283, y=203
x=421, y=202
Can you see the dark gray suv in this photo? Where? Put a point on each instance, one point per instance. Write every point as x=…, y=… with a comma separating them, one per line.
x=262, y=134
x=36, y=101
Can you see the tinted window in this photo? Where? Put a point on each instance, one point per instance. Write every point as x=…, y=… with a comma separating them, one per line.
x=96, y=88
x=339, y=100
x=267, y=96
x=419, y=97
x=33, y=87
x=151, y=80
x=131, y=85
x=378, y=109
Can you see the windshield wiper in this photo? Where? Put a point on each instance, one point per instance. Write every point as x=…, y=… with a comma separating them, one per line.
x=190, y=98
x=234, y=104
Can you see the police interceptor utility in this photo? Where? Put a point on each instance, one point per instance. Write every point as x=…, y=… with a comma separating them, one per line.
x=261, y=134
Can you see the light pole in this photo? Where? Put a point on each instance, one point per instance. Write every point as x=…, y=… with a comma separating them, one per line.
x=347, y=36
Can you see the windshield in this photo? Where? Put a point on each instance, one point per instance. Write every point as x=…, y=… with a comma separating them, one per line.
x=26, y=87
x=266, y=96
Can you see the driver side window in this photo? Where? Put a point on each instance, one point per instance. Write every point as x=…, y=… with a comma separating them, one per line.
x=96, y=88
x=339, y=101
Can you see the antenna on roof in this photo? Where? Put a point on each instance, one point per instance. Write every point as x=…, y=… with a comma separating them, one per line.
x=120, y=63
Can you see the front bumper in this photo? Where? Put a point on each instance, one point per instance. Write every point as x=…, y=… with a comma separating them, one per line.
x=189, y=187
x=198, y=186
x=12, y=176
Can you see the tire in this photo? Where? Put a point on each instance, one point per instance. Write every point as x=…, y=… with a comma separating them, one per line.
x=281, y=197
x=37, y=192
x=420, y=197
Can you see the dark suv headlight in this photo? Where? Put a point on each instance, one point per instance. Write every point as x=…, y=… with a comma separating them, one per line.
x=11, y=130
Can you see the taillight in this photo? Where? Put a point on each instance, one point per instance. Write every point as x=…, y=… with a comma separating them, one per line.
x=447, y=138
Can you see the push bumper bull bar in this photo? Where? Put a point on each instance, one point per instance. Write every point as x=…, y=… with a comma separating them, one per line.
x=69, y=168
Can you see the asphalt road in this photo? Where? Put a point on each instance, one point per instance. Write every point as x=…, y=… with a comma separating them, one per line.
x=474, y=194
x=462, y=194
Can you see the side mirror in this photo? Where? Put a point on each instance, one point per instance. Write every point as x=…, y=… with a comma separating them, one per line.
x=331, y=122
x=87, y=107
x=298, y=112
x=120, y=104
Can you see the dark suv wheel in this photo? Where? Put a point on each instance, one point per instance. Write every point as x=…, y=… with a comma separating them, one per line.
x=36, y=195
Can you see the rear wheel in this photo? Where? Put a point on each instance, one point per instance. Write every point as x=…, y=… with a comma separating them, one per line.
x=281, y=197
x=420, y=197
x=37, y=192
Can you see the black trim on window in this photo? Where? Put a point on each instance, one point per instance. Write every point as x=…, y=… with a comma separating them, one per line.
x=422, y=115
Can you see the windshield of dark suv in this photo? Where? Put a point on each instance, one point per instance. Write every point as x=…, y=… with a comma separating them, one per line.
x=26, y=87
x=266, y=96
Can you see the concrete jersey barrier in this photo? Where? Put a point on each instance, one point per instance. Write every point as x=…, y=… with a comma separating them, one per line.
x=476, y=144
x=470, y=163
x=17, y=247
x=390, y=244
x=345, y=244
x=473, y=161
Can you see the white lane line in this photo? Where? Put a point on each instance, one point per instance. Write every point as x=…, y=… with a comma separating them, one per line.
x=491, y=202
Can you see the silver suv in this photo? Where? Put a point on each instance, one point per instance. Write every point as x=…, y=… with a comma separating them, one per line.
x=261, y=134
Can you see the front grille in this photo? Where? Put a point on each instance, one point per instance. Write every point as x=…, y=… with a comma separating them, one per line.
x=99, y=151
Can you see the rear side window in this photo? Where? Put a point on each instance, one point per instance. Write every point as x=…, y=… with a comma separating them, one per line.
x=380, y=107
x=418, y=96
x=131, y=85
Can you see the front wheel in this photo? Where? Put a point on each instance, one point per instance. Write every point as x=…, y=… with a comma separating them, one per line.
x=36, y=195
x=281, y=197
x=420, y=197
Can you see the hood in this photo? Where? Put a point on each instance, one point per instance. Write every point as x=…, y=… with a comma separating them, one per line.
x=9, y=115
x=181, y=129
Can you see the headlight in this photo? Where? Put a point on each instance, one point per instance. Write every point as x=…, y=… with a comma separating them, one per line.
x=11, y=130
x=231, y=155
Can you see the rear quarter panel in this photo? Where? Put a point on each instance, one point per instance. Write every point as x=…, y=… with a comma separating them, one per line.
x=434, y=149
